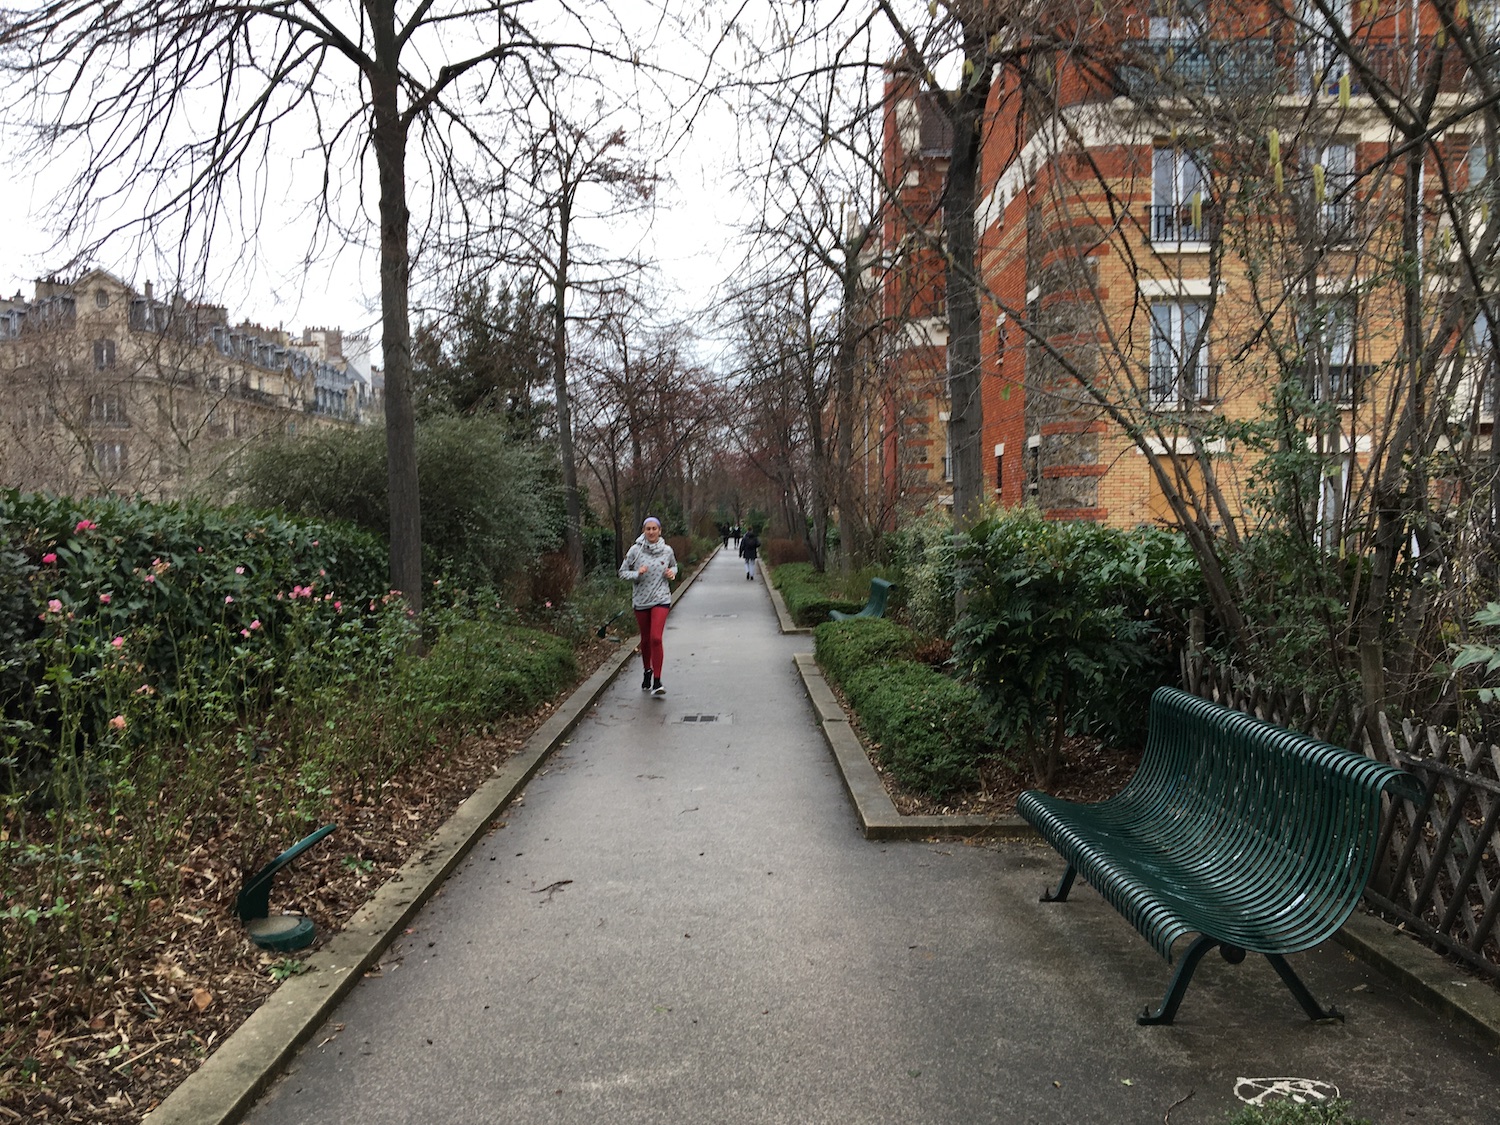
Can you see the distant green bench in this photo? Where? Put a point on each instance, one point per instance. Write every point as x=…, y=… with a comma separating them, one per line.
x=1255, y=838
x=880, y=591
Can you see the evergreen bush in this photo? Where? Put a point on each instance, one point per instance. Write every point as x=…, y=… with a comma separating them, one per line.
x=927, y=725
x=490, y=503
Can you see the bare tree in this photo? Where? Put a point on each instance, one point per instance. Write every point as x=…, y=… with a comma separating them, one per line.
x=172, y=107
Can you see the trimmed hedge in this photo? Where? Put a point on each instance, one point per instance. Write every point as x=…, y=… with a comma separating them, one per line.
x=810, y=596
x=481, y=670
x=928, y=728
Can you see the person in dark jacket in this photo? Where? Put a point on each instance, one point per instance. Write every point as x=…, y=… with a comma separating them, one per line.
x=650, y=565
x=749, y=549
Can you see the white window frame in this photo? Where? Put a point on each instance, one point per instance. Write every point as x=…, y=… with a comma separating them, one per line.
x=1178, y=177
x=1177, y=324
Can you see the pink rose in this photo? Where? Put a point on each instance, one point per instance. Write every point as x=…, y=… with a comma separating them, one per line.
x=239, y=570
x=118, y=722
x=118, y=642
x=54, y=606
x=49, y=558
x=84, y=525
x=228, y=598
x=255, y=624
x=104, y=599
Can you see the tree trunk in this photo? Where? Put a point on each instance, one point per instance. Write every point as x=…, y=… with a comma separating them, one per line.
x=965, y=411
x=573, y=533
x=388, y=139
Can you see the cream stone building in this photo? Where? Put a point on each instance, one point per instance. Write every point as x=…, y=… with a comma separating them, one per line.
x=106, y=389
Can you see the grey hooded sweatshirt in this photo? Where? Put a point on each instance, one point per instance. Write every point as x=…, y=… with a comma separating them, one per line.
x=650, y=588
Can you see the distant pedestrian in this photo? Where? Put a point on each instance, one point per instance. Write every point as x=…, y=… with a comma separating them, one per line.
x=724, y=530
x=749, y=549
x=650, y=565
x=734, y=533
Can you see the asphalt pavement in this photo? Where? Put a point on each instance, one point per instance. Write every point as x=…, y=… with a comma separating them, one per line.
x=680, y=922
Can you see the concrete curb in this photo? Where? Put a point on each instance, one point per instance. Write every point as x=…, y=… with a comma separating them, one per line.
x=878, y=816
x=226, y=1086
x=1433, y=982
x=783, y=617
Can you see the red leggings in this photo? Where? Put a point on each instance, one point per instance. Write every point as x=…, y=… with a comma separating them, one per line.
x=652, y=623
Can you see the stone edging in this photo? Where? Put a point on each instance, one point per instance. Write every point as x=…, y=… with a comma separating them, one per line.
x=878, y=816
x=783, y=616
x=1424, y=974
x=226, y=1086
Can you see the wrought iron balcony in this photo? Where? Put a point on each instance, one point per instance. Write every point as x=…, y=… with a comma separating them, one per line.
x=1172, y=385
x=1178, y=222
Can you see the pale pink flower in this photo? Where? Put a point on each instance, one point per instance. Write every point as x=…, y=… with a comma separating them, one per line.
x=255, y=624
x=104, y=599
x=228, y=598
x=54, y=606
x=150, y=578
x=244, y=632
x=118, y=642
x=239, y=570
x=118, y=722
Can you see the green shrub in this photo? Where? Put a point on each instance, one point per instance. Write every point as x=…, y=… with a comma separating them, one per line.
x=194, y=606
x=811, y=596
x=922, y=558
x=489, y=503
x=482, y=670
x=844, y=647
x=1062, y=628
x=927, y=725
x=1335, y=1112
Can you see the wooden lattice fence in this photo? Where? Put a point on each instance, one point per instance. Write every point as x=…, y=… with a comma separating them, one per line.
x=1441, y=873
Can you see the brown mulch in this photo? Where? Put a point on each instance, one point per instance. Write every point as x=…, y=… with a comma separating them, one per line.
x=111, y=1050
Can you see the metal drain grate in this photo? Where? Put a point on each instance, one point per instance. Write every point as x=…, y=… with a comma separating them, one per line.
x=721, y=615
x=700, y=718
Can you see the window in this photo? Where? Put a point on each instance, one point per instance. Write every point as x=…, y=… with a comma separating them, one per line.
x=104, y=354
x=1179, y=196
x=1176, y=21
x=999, y=468
x=109, y=458
x=1329, y=183
x=1179, y=353
x=107, y=408
x=1322, y=67
x=101, y=298
x=1480, y=369
x=1330, y=346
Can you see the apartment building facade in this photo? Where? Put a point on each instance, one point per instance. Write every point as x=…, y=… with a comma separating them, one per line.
x=1202, y=224
x=107, y=389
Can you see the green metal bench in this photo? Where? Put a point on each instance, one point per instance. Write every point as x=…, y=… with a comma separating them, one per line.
x=1255, y=838
x=880, y=591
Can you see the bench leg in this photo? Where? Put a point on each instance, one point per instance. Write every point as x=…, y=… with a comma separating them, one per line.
x=1063, y=887
x=1178, y=987
x=1290, y=978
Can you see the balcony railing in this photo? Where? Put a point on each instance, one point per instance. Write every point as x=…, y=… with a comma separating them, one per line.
x=1164, y=68
x=1174, y=386
x=1209, y=67
x=1181, y=222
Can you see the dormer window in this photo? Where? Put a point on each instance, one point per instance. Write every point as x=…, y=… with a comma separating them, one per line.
x=101, y=298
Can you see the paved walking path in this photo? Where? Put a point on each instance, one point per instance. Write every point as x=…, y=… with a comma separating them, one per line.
x=681, y=924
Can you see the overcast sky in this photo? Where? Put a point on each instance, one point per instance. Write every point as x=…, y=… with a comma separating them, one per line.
x=690, y=235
